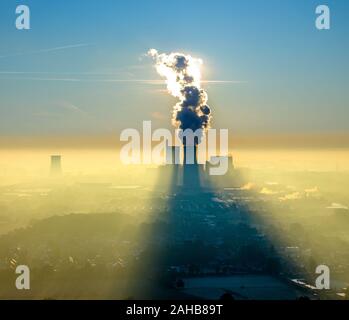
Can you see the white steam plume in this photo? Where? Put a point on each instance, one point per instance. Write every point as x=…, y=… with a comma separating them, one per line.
x=183, y=79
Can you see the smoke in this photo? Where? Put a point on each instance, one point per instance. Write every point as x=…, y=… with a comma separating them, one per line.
x=183, y=80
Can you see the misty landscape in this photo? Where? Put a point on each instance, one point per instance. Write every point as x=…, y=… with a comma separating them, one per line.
x=174, y=151
x=128, y=234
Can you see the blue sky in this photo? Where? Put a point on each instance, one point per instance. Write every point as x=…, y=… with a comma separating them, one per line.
x=56, y=77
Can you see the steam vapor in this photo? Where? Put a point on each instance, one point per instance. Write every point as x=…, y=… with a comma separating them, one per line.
x=183, y=79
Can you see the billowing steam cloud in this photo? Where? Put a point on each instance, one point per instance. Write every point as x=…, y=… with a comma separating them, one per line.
x=183, y=77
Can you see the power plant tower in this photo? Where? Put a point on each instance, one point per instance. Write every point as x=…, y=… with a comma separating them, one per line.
x=172, y=155
x=56, y=165
x=191, y=168
x=173, y=163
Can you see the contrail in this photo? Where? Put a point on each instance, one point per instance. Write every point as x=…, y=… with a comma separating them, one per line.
x=144, y=81
x=79, y=45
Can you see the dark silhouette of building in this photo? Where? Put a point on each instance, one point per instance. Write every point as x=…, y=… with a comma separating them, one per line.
x=173, y=165
x=56, y=165
x=191, y=168
x=172, y=155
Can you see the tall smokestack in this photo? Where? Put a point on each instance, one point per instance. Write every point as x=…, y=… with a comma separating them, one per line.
x=191, y=169
x=172, y=155
x=175, y=155
x=190, y=151
x=56, y=165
